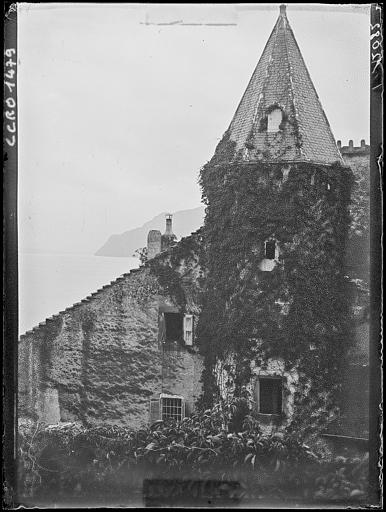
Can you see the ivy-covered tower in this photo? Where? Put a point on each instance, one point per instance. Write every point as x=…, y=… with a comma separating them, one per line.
x=277, y=194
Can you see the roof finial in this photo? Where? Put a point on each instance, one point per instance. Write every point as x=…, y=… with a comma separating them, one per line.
x=283, y=9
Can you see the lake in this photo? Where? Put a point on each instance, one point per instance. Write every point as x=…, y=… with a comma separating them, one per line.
x=49, y=283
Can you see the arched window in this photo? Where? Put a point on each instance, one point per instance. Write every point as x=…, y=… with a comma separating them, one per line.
x=275, y=117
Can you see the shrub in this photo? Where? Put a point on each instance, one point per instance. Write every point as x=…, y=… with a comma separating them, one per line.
x=70, y=460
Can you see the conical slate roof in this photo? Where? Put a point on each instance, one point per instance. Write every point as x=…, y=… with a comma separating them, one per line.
x=281, y=82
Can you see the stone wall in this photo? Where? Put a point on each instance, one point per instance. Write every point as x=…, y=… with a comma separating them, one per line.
x=100, y=360
x=271, y=367
x=355, y=378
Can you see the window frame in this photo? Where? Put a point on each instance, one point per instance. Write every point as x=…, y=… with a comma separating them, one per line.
x=276, y=250
x=166, y=396
x=179, y=338
x=258, y=391
x=272, y=122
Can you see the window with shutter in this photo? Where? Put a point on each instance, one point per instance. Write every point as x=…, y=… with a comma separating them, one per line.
x=173, y=327
x=188, y=329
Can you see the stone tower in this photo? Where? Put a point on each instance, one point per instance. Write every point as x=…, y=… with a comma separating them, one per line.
x=277, y=194
x=153, y=243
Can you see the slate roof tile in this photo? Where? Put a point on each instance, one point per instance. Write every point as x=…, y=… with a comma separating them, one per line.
x=281, y=77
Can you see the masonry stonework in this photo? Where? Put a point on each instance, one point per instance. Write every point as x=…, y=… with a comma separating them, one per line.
x=100, y=361
x=286, y=313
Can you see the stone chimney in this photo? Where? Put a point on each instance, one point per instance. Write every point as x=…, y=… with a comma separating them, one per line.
x=169, y=224
x=168, y=238
x=153, y=243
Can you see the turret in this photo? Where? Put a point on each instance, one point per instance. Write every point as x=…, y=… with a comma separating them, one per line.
x=276, y=193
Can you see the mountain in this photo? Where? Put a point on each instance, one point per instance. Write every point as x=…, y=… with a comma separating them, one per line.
x=124, y=244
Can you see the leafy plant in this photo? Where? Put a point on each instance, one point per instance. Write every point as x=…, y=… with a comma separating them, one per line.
x=110, y=461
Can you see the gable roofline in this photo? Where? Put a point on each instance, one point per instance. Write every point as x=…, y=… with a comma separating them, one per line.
x=86, y=300
x=89, y=298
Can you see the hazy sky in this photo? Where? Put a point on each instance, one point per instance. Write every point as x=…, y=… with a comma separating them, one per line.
x=118, y=113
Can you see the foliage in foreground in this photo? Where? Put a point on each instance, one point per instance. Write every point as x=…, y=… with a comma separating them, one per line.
x=70, y=460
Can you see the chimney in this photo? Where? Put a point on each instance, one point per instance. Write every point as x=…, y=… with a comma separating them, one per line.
x=350, y=144
x=169, y=221
x=283, y=9
x=363, y=143
x=168, y=237
x=339, y=144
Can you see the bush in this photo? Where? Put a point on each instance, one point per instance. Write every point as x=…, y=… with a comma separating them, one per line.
x=70, y=460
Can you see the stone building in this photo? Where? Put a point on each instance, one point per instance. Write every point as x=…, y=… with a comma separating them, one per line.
x=123, y=355
x=140, y=349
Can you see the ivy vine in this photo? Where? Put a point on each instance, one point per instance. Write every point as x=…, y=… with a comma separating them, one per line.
x=299, y=311
x=166, y=266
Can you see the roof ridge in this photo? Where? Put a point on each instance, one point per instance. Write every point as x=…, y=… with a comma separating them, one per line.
x=269, y=65
x=332, y=138
x=299, y=149
x=85, y=300
x=252, y=76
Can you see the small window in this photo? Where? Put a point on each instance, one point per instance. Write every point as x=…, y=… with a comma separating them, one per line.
x=270, y=395
x=275, y=118
x=172, y=407
x=188, y=329
x=173, y=327
x=286, y=171
x=270, y=250
x=278, y=175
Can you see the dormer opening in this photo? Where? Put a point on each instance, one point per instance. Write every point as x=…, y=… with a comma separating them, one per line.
x=274, y=120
